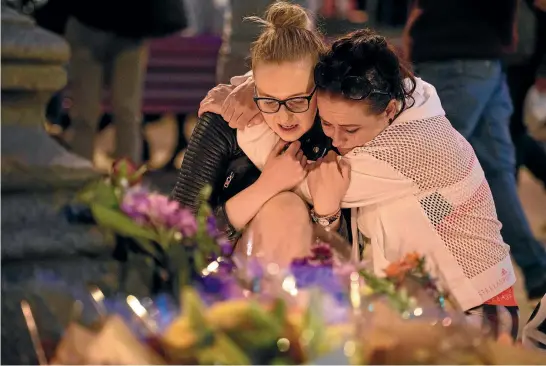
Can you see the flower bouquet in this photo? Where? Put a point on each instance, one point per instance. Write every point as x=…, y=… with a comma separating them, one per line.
x=242, y=331
x=147, y=224
x=407, y=286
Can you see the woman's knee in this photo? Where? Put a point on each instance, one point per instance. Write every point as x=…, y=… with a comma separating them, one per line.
x=282, y=229
x=284, y=207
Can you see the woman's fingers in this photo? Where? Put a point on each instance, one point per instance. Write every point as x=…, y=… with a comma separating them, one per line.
x=279, y=147
x=293, y=148
x=345, y=168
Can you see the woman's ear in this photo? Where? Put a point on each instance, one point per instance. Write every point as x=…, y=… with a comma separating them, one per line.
x=391, y=109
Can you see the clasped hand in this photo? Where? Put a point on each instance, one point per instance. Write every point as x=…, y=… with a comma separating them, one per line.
x=285, y=167
x=328, y=180
x=234, y=103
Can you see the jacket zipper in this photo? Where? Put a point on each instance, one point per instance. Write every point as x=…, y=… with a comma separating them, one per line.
x=228, y=180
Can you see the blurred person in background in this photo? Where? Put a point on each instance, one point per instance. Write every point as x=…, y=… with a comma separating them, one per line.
x=108, y=46
x=457, y=46
x=204, y=16
x=527, y=67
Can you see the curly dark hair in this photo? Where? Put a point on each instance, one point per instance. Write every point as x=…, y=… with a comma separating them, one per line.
x=364, y=66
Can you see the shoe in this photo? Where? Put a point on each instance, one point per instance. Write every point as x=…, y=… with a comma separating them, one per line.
x=537, y=292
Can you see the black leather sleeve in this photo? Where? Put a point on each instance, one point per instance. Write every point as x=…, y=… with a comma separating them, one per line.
x=209, y=151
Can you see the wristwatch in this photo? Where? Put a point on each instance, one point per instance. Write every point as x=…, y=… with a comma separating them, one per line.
x=325, y=221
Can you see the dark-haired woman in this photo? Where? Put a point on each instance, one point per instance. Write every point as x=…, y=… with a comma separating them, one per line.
x=416, y=184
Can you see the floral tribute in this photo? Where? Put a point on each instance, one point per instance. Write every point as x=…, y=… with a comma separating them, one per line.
x=406, y=285
x=180, y=244
x=251, y=315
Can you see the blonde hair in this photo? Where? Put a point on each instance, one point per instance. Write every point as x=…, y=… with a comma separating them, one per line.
x=288, y=35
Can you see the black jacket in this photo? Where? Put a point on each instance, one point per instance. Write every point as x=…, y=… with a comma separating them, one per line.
x=214, y=158
x=462, y=29
x=127, y=18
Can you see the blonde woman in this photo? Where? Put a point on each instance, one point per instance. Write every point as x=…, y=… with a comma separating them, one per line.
x=262, y=205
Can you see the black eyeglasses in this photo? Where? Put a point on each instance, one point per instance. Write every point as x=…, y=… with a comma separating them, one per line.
x=358, y=88
x=294, y=104
x=352, y=87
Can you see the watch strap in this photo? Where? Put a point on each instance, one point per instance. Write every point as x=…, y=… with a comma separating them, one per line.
x=325, y=220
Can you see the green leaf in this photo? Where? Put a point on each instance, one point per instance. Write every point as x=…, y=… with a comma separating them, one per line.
x=100, y=193
x=194, y=310
x=147, y=246
x=120, y=223
x=204, y=194
x=199, y=261
x=166, y=237
x=139, y=173
x=264, y=320
x=279, y=311
x=223, y=352
x=314, y=322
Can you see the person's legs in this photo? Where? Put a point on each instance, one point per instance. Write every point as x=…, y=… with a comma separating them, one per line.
x=529, y=152
x=86, y=82
x=54, y=109
x=475, y=98
x=129, y=70
x=281, y=231
x=492, y=142
x=500, y=322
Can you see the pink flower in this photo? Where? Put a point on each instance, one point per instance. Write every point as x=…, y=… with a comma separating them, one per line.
x=158, y=210
x=161, y=209
x=136, y=204
x=185, y=221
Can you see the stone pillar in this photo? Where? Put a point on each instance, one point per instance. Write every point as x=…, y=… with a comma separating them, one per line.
x=33, y=69
x=38, y=176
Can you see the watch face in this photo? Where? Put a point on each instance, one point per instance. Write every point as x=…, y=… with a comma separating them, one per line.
x=323, y=222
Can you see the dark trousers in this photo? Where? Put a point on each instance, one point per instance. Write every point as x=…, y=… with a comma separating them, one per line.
x=529, y=152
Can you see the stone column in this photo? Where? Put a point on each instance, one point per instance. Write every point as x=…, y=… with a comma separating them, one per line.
x=40, y=248
x=33, y=69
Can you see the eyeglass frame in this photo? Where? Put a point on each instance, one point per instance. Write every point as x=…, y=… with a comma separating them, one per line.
x=318, y=71
x=280, y=103
x=364, y=96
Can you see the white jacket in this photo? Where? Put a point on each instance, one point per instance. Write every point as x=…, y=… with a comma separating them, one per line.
x=418, y=186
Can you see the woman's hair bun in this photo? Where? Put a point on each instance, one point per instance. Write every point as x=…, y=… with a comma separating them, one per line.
x=283, y=14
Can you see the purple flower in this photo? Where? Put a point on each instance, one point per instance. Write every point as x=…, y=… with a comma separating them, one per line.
x=322, y=252
x=136, y=204
x=300, y=261
x=162, y=209
x=158, y=210
x=220, y=284
x=185, y=221
x=321, y=276
x=226, y=247
x=212, y=227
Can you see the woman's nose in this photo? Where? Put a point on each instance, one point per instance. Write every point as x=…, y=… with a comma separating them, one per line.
x=283, y=112
x=337, y=139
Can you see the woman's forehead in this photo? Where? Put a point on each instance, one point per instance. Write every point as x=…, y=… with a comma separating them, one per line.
x=336, y=106
x=284, y=80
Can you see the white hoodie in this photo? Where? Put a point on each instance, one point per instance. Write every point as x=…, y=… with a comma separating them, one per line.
x=418, y=187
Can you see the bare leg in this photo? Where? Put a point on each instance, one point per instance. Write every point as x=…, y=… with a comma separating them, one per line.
x=129, y=71
x=86, y=83
x=281, y=231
